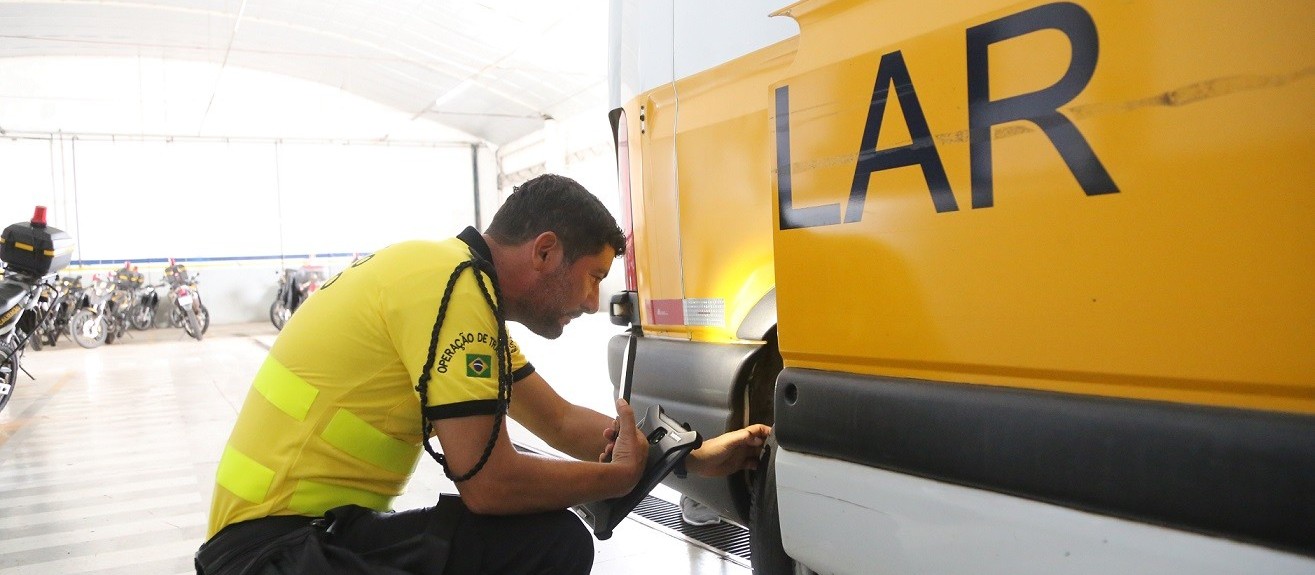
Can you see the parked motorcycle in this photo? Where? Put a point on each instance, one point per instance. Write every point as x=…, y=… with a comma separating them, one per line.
x=69, y=293
x=187, y=311
x=295, y=285
x=31, y=252
x=102, y=316
x=19, y=295
x=145, y=303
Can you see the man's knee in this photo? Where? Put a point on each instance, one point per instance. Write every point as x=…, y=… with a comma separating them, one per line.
x=553, y=542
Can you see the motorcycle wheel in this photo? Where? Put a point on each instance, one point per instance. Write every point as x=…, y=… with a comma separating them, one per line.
x=8, y=373
x=89, y=329
x=197, y=324
x=192, y=327
x=176, y=316
x=204, y=318
x=141, y=318
x=34, y=339
x=279, y=314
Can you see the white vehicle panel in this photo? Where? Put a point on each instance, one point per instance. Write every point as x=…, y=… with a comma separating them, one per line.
x=655, y=42
x=839, y=517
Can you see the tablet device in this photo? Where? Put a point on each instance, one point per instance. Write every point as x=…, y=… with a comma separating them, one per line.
x=668, y=443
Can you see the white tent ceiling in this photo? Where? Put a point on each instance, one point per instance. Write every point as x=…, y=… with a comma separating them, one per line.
x=493, y=69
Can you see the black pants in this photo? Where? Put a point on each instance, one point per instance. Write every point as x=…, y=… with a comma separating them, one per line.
x=446, y=539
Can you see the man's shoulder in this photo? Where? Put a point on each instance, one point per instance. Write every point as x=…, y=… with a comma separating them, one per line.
x=451, y=247
x=419, y=259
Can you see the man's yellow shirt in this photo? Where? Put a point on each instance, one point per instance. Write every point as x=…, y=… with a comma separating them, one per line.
x=333, y=416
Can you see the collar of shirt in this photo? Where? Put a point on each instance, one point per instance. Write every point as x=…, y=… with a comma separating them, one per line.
x=479, y=248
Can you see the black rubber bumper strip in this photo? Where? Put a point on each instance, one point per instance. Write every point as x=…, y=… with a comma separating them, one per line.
x=1240, y=474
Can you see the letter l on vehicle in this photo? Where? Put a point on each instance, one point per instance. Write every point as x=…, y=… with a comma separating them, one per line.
x=792, y=217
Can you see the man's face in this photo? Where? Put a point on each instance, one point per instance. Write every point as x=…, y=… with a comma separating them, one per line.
x=566, y=292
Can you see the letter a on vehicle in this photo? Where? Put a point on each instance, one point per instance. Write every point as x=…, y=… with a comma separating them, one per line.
x=921, y=152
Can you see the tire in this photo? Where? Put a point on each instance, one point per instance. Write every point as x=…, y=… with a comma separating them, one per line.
x=141, y=318
x=278, y=314
x=197, y=324
x=8, y=373
x=34, y=339
x=766, y=552
x=176, y=316
x=89, y=329
x=192, y=327
x=205, y=319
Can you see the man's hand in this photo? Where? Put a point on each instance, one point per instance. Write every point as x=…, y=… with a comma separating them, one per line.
x=626, y=447
x=729, y=452
x=609, y=435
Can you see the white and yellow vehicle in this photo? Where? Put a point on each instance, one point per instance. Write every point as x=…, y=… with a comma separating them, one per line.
x=1023, y=287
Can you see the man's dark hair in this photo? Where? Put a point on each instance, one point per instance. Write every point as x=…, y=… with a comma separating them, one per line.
x=558, y=204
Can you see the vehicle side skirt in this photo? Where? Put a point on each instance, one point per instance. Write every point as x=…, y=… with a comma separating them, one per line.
x=1241, y=474
x=699, y=384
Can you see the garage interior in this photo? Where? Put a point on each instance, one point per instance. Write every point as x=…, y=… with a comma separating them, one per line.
x=108, y=457
x=246, y=138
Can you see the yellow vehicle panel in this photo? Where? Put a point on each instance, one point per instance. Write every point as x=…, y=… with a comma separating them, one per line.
x=655, y=215
x=1190, y=279
x=717, y=193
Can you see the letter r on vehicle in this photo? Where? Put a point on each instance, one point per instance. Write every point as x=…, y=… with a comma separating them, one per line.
x=1040, y=107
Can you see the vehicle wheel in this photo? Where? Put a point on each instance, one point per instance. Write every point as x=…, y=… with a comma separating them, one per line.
x=278, y=314
x=34, y=339
x=52, y=336
x=192, y=327
x=196, y=325
x=8, y=373
x=766, y=552
x=142, y=318
x=89, y=329
x=204, y=318
x=176, y=316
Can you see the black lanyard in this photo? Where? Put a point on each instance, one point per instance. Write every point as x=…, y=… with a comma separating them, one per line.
x=480, y=268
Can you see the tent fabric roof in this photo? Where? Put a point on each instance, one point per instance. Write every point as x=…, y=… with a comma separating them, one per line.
x=493, y=69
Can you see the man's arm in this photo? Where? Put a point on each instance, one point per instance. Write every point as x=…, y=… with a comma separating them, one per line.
x=729, y=452
x=512, y=482
x=575, y=430
x=581, y=432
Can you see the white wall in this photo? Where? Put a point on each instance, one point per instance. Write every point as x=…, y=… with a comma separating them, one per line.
x=28, y=178
x=236, y=211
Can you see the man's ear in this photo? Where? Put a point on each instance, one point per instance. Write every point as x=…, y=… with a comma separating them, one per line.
x=547, y=251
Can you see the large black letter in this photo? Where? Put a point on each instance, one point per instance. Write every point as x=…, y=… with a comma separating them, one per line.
x=1040, y=107
x=792, y=217
x=922, y=151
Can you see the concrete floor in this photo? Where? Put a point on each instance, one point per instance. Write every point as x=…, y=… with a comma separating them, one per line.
x=107, y=459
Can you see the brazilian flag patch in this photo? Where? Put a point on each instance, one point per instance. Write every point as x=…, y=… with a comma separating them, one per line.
x=478, y=365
